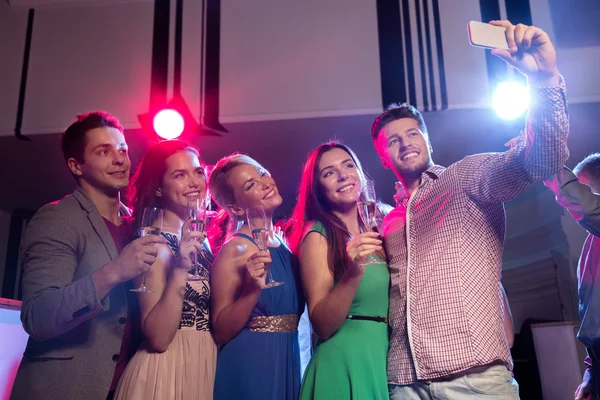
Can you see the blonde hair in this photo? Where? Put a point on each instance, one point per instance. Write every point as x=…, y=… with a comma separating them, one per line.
x=223, y=194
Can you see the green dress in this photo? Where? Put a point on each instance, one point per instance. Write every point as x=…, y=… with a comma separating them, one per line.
x=351, y=364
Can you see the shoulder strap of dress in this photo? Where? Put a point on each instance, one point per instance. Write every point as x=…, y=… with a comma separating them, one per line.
x=239, y=234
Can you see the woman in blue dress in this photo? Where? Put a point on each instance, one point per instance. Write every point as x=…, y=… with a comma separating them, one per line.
x=256, y=326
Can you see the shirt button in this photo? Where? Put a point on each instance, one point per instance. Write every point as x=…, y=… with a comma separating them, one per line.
x=122, y=320
x=115, y=357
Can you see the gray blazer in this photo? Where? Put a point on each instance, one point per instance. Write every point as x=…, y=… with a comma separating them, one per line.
x=75, y=337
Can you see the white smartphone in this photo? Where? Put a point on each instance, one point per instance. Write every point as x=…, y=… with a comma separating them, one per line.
x=487, y=36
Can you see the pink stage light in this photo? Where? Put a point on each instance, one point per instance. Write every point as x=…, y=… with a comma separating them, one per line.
x=168, y=124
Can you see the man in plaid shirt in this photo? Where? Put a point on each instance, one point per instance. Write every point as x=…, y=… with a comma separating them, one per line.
x=445, y=237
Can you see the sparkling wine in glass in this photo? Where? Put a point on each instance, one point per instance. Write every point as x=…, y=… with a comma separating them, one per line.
x=152, y=220
x=258, y=224
x=197, y=213
x=379, y=217
x=367, y=205
x=366, y=210
x=210, y=214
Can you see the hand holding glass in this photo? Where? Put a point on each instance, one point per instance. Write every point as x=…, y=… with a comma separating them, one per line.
x=367, y=205
x=197, y=213
x=152, y=221
x=257, y=222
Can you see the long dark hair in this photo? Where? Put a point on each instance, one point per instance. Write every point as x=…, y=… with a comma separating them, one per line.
x=312, y=206
x=148, y=177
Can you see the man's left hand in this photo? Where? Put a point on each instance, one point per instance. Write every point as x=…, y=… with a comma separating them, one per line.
x=531, y=52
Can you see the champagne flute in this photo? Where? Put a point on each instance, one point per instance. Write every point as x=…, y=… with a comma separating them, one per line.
x=197, y=213
x=210, y=214
x=152, y=220
x=366, y=209
x=379, y=217
x=257, y=222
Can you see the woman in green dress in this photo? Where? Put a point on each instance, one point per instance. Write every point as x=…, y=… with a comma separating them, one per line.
x=347, y=300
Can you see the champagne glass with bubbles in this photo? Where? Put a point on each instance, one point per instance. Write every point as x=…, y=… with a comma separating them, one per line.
x=152, y=221
x=367, y=210
x=257, y=222
x=197, y=213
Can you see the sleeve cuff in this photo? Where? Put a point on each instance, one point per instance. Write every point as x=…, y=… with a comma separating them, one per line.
x=587, y=375
x=89, y=303
x=547, y=97
x=565, y=176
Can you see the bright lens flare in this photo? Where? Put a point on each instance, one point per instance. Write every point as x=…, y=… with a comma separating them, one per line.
x=510, y=100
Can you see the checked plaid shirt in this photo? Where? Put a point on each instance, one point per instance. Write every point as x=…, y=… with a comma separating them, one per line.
x=445, y=248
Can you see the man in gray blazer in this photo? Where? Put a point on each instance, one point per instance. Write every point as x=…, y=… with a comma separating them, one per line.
x=74, y=299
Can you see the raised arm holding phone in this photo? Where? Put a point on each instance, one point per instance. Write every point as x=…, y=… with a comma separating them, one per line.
x=445, y=239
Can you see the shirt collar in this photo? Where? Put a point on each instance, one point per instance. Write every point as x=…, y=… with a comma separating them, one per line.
x=431, y=173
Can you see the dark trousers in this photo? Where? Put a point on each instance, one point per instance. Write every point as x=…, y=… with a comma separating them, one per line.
x=594, y=353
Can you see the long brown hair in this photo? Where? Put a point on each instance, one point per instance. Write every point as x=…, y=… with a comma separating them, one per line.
x=312, y=206
x=148, y=177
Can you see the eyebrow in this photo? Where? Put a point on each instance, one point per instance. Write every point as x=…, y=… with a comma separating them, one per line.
x=104, y=146
x=331, y=166
x=260, y=171
x=185, y=170
x=396, y=134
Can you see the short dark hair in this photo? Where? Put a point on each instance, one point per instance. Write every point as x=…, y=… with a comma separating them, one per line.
x=589, y=166
x=395, y=112
x=73, y=140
